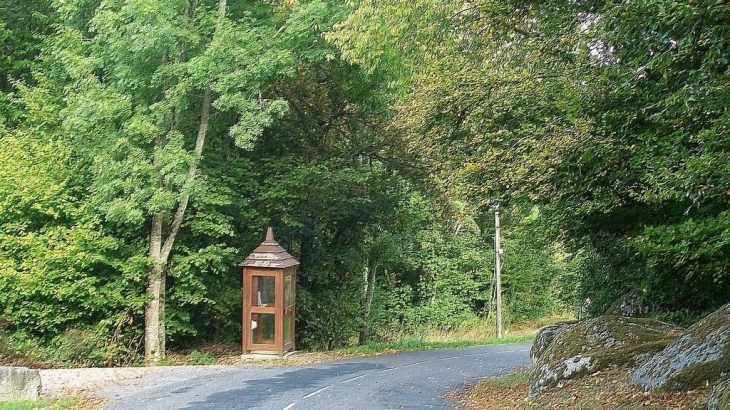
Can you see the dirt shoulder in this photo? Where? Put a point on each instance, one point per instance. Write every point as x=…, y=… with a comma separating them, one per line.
x=83, y=381
x=67, y=382
x=609, y=389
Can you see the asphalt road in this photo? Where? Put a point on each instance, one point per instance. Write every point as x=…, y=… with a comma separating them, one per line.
x=412, y=380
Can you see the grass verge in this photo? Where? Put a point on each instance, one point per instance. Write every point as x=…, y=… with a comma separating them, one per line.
x=425, y=344
x=478, y=333
x=47, y=404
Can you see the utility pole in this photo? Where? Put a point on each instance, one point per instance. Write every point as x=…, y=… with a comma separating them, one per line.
x=498, y=267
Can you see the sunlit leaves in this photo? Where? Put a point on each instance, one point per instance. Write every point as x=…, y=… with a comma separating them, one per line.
x=58, y=268
x=613, y=115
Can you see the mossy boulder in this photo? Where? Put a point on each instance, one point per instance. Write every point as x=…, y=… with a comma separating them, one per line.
x=586, y=347
x=630, y=305
x=546, y=335
x=720, y=397
x=700, y=356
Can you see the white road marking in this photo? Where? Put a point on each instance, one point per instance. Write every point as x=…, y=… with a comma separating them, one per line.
x=317, y=392
x=449, y=358
x=289, y=406
x=416, y=364
x=354, y=378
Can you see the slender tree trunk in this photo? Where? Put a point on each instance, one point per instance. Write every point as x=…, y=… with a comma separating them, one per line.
x=367, y=302
x=362, y=339
x=159, y=252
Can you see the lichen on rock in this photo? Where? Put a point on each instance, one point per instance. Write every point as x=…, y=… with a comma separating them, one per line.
x=546, y=335
x=577, y=365
x=578, y=349
x=720, y=397
x=700, y=356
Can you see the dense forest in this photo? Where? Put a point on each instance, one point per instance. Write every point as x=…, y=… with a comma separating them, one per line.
x=145, y=146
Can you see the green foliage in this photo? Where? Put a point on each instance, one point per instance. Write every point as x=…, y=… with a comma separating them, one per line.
x=197, y=358
x=58, y=269
x=329, y=317
x=539, y=278
x=609, y=116
x=89, y=347
x=166, y=362
x=656, y=146
x=23, y=27
x=372, y=136
x=18, y=349
x=684, y=318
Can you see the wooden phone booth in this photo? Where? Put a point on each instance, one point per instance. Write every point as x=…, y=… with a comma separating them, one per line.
x=269, y=290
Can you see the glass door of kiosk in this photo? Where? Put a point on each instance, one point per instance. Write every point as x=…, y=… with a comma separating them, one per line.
x=263, y=310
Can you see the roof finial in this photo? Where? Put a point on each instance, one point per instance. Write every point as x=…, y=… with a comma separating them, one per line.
x=270, y=235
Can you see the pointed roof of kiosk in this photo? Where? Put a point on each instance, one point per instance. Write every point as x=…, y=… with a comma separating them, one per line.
x=269, y=255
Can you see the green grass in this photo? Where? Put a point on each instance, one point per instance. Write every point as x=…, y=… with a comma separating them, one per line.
x=167, y=362
x=197, y=358
x=424, y=344
x=476, y=333
x=509, y=381
x=56, y=404
x=501, y=393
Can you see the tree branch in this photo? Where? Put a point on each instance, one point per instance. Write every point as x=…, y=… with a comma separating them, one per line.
x=183, y=205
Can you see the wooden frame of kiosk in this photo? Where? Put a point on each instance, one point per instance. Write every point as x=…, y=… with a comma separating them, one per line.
x=269, y=296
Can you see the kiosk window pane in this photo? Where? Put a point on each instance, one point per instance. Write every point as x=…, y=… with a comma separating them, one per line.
x=288, y=327
x=288, y=291
x=264, y=290
x=263, y=329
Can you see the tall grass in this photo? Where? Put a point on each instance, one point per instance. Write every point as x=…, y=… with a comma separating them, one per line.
x=472, y=333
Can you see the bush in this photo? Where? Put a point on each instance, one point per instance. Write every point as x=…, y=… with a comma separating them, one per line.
x=101, y=346
x=684, y=318
x=21, y=350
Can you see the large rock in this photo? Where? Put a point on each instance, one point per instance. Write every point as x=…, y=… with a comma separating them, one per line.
x=19, y=383
x=596, y=344
x=700, y=356
x=546, y=335
x=720, y=397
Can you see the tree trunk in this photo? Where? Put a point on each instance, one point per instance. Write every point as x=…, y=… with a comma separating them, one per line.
x=159, y=253
x=154, y=348
x=155, y=333
x=367, y=302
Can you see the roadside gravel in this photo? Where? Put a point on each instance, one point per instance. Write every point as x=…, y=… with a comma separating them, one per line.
x=66, y=382
x=85, y=381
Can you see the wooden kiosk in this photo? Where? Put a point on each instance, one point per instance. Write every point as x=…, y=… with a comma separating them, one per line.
x=269, y=288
